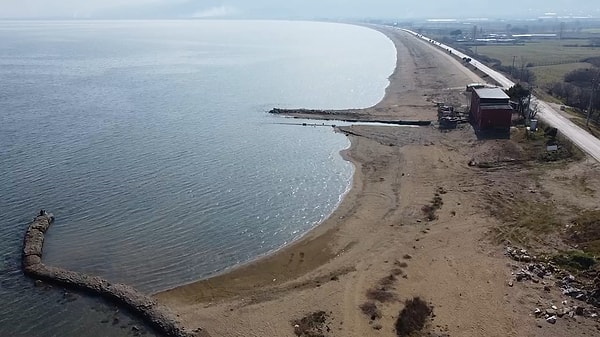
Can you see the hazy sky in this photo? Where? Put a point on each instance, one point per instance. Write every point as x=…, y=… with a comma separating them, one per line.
x=293, y=8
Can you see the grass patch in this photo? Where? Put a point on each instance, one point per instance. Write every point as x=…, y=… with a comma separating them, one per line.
x=528, y=216
x=549, y=60
x=565, y=151
x=585, y=232
x=545, y=76
x=533, y=145
x=370, y=309
x=538, y=53
x=575, y=260
x=523, y=219
x=312, y=325
x=579, y=119
x=413, y=317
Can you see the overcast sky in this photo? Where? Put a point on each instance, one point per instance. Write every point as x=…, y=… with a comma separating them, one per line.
x=293, y=8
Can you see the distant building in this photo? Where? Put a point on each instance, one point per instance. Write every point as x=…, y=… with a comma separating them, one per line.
x=535, y=36
x=490, y=110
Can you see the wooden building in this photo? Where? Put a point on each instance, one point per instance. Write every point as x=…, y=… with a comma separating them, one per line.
x=490, y=110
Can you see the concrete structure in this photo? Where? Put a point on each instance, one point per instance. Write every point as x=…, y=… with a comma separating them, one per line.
x=490, y=110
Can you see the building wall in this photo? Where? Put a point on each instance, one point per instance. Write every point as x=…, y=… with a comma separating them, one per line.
x=494, y=119
x=486, y=118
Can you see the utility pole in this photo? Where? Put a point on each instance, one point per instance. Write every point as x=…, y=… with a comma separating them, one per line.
x=589, y=112
x=512, y=70
x=475, y=38
x=562, y=31
x=528, y=113
x=522, y=68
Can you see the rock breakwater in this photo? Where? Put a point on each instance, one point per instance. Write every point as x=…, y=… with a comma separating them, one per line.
x=350, y=116
x=154, y=314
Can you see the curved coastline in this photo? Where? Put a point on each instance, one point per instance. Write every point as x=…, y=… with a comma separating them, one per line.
x=403, y=100
x=313, y=246
x=332, y=266
x=380, y=238
x=308, y=252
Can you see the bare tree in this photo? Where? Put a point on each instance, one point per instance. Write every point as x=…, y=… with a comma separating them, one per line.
x=534, y=108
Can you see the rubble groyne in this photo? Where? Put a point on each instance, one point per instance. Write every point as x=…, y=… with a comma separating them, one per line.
x=349, y=116
x=154, y=314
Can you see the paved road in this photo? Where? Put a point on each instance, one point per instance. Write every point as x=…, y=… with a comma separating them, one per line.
x=580, y=137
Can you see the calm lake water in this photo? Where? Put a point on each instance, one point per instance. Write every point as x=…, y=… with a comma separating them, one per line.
x=149, y=142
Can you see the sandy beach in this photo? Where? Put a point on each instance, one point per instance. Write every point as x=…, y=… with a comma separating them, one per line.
x=380, y=230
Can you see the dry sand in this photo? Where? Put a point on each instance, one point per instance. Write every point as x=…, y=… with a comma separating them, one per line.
x=380, y=229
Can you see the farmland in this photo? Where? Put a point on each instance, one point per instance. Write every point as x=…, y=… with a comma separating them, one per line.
x=541, y=53
x=549, y=60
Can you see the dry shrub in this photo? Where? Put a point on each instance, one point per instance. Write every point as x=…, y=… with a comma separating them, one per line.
x=370, y=309
x=397, y=271
x=388, y=281
x=429, y=211
x=381, y=295
x=402, y=264
x=311, y=325
x=413, y=317
x=435, y=204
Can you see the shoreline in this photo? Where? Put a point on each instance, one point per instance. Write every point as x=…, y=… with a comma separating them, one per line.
x=379, y=231
x=258, y=272
x=322, y=229
x=246, y=278
x=417, y=222
x=318, y=229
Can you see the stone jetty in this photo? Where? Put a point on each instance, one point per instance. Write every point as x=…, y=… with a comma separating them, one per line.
x=154, y=314
x=349, y=116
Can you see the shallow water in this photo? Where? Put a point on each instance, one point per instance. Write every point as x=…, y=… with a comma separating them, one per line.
x=150, y=143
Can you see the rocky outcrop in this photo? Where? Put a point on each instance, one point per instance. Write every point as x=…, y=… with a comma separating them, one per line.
x=154, y=314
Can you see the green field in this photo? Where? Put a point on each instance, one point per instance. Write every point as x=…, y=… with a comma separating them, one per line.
x=550, y=74
x=543, y=52
x=562, y=59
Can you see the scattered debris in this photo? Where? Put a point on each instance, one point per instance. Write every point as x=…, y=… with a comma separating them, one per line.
x=554, y=277
x=520, y=255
